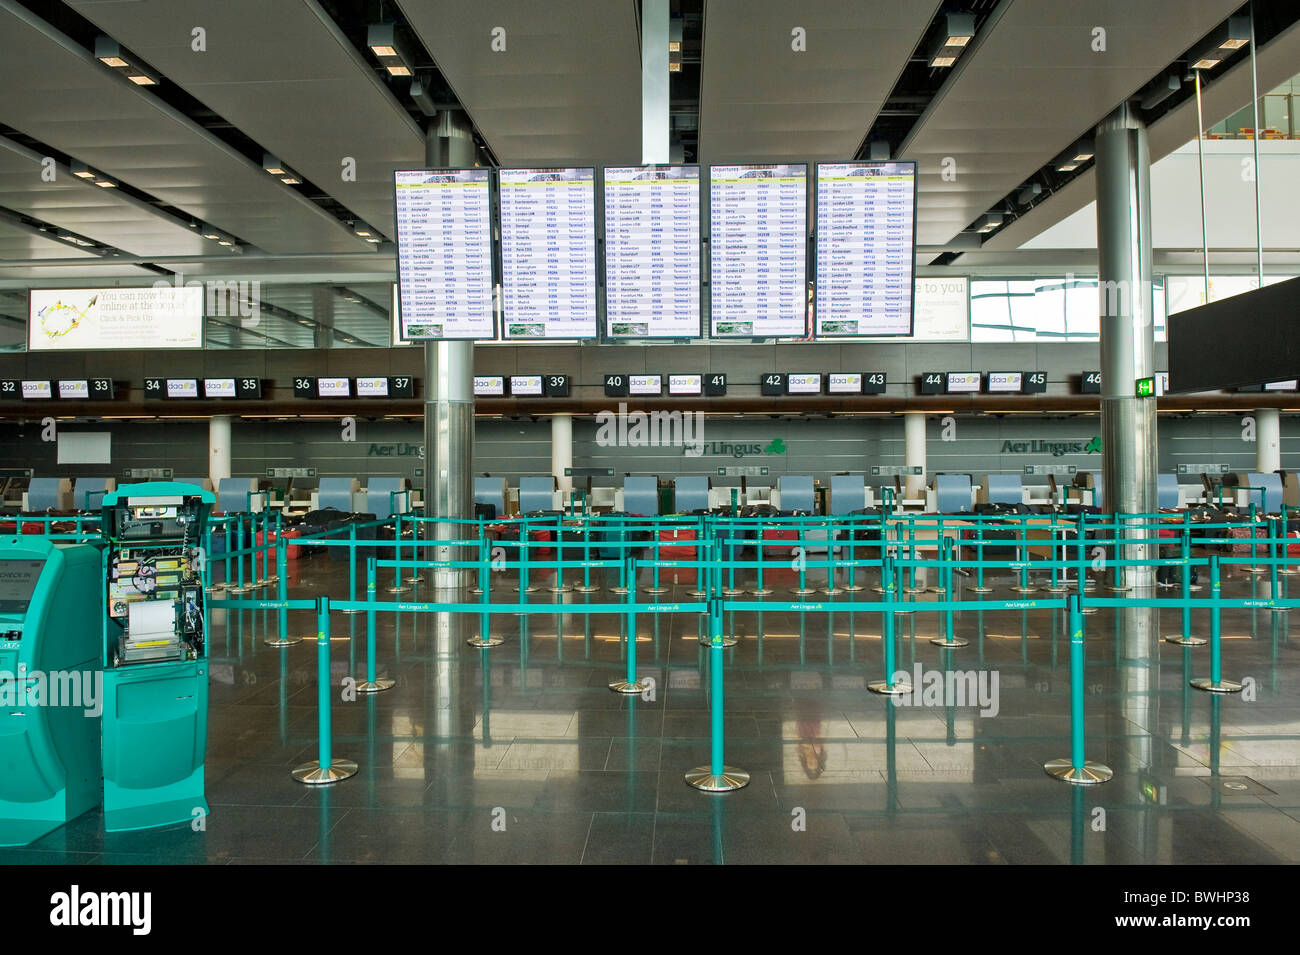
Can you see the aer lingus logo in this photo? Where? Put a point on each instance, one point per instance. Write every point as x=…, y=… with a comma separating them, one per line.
x=776, y=447
x=1094, y=446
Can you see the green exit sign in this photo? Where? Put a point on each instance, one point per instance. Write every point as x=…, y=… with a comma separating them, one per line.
x=1146, y=387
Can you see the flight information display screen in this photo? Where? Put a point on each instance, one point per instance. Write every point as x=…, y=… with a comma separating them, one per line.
x=759, y=250
x=444, y=253
x=17, y=584
x=548, y=253
x=866, y=255
x=652, y=251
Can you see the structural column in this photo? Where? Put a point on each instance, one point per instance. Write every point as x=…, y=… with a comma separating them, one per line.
x=562, y=450
x=449, y=385
x=1128, y=423
x=914, y=452
x=1268, y=440
x=218, y=449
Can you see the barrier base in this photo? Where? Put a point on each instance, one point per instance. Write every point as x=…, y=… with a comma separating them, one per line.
x=761, y=592
x=885, y=688
x=655, y=591
x=286, y=642
x=732, y=592
x=832, y=591
x=1023, y=590
x=727, y=643
x=980, y=590
x=1255, y=570
x=1287, y=571
x=357, y=610
x=936, y=590
x=704, y=779
x=1209, y=686
x=376, y=686
x=530, y=589
x=619, y=590
x=1182, y=641
x=1120, y=589
x=585, y=588
x=312, y=774
x=1090, y=774
x=246, y=589
x=221, y=588
x=952, y=644
x=629, y=689
x=481, y=644
x=561, y=589
x=913, y=590
x=804, y=591
x=1057, y=589
x=1089, y=610
x=398, y=589
x=417, y=579
x=695, y=592
x=853, y=588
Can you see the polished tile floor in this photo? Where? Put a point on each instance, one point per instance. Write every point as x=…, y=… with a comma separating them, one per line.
x=520, y=754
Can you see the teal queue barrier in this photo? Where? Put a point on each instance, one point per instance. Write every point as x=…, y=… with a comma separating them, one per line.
x=326, y=768
x=1075, y=768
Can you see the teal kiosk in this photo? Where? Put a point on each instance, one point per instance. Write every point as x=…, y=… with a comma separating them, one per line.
x=154, y=650
x=49, y=705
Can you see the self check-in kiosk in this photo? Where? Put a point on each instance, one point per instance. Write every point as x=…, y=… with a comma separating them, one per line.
x=155, y=634
x=49, y=704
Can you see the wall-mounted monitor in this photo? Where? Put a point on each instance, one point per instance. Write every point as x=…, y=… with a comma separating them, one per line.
x=962, y=382
x=37, y=389
x=182, y=387
x=548, y=253
x=372, y=387
x=685, y=384
x=526, y=386
x=866, y=248
x=74, y=388
x=219, y=388
x=652, y=251
x=334, y=387
x=444, y=253
x=1005, y=382
x=758, y=250
x=844, y=383
x=646, y=385
x=803, y=383
x=489, y=386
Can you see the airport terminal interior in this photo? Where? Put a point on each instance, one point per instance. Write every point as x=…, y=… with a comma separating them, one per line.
x=649, y=431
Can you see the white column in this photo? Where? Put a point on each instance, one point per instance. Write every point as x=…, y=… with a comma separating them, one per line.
x=218, y=448
x=562, y=449
x=914, y=452
x=1268, y=440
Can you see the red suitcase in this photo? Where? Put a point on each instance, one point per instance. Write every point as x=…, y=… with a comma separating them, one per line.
x=788, y=538
x=671, y=546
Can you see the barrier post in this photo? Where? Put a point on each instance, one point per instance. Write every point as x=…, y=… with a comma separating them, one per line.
x=352, y=566
x=1274, y=583
x=803, y=590
x=1286, y=570
x=326, y=768
x=1254, y=567
x=703, y=580
x=853, y=586
x=282, y=587
x=1081, y=584
x=911, y=560
x=213, y=586
x=484, y=555
x=1185, y=638
x=717, y=777
x=1216, y=683
x=887, y=686
x=398, y=587
x=1056, y=586
x=586, y=587
x=226, y=575
x=948, y=641
x=655, y=589
x=759, y=589
x=980, y=587
x=1117, y=584
x=373, y=684
x=1074, y=768
x=559, y=587
x=832, y=588
x=731, y=590
x=525, y=546
x=240, y=587
x=630, y=686
x=1022, y=552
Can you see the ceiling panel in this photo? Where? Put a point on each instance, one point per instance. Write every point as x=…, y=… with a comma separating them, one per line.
x=81, y=207
x=17, y=244
x=1030, y=85
x=567, y=88
x=760, y=101
x=283, y=74
x=79, y=106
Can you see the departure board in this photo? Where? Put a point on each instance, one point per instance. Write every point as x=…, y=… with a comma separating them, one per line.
x=866, y=248
x=652, y=251
x=444, y=253
x=758, y=250
x=548, y=253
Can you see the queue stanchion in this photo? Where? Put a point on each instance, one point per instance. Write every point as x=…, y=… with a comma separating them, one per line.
x=731, y=590
x=1118, y=584
x=940, y=585
x=903, y=605
x=214, y=587
x=483, y=566
x=1057, y=552
x=1286, y=570
x=980, y=587
x=1254, y=567
x=398, y=587
x=625, y=583
x=760, y=589
x=1185, y=638
x=485, y=640
x=887, y=686
x=630, y=686
x=729, y=640
x=352, y=567
x=226, y=575
x=803, y=590
x=1216, y=683
x=373, y=684
x=655, y=589
x=703, y=578
x=717, y=777
x=911, y=587
x=326, y=768
x=559, y=587
x=586, y=587
x=282, y=585
x=240, y=587
x=1081, y=584
x=417, y=577
x=852, y=586
x=1074, y=768
x=948, y=641
x=1274, y=584
x=1022, y=554
x=832, y=588
x=525, y=548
